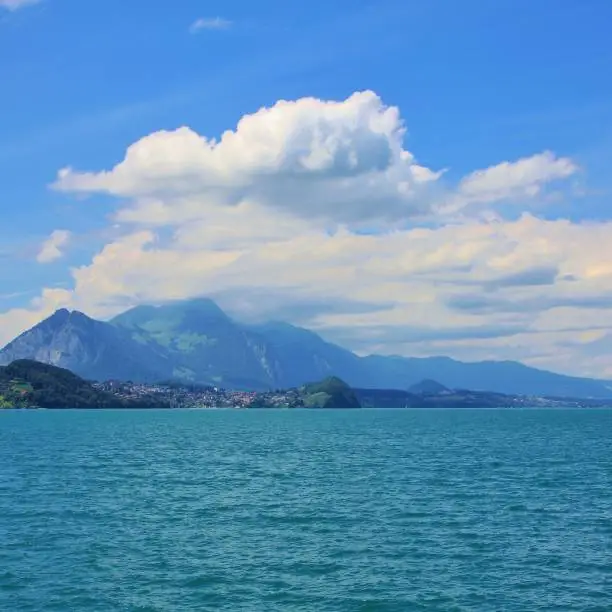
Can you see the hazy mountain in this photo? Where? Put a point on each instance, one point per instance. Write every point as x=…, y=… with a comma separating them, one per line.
x=196, y=341
x=301, y=355
x=203, y=343
x=509, y=377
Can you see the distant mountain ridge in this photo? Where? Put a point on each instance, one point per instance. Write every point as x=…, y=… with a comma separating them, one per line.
x=195, y=341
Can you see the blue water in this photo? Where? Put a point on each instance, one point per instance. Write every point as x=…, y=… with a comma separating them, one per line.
x=306, y=510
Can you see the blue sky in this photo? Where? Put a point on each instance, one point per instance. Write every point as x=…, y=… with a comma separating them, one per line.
x=477, y=83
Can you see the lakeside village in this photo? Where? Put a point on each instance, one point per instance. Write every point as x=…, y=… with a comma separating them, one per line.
x=198, y=396
x=194, y=396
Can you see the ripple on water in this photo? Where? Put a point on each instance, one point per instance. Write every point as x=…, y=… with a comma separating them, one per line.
x=367, y=511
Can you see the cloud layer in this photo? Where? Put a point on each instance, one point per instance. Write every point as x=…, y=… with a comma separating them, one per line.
x=314, y=211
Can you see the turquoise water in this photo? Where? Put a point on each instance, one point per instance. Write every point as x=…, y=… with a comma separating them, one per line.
x=298, y=510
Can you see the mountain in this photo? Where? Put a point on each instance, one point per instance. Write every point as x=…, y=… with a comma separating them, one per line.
x=208, y=346
x=195, y=341
x=428, y=387
x=508, y=377
x=203, y=344
x=462, y=398
x=25, y=384
x=329, y=393
x=93, y=349
x=302, y=355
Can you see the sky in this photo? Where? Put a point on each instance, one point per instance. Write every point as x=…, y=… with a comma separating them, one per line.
x=408, y=177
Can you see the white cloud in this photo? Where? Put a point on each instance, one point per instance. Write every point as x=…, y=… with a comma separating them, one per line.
x=268, y=218
x=517, y=181
x=13, y=5
x=209, y=23
x=341, y=161
x=51, y=248
x=524, y=177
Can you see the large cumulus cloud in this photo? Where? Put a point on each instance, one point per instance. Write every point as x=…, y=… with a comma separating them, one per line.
x=342, y=161
x=338, y=160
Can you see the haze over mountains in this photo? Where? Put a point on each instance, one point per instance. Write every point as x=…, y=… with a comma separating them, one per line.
x=196, y=341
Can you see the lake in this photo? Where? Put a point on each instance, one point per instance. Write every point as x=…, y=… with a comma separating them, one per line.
x=390, y=510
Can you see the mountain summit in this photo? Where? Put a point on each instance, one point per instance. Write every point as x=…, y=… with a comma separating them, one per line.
x=195, y=341
x=91, y=348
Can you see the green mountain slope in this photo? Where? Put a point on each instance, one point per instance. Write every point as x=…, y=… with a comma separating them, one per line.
x=329, y=393
x=26, y=383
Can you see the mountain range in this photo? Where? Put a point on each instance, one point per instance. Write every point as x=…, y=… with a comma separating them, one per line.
x=196, y=341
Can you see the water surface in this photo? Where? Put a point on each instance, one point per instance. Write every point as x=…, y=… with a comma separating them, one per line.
x=306, y=510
